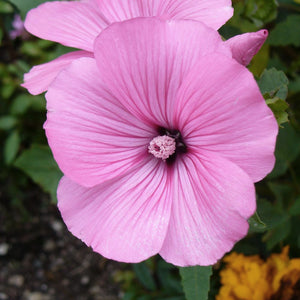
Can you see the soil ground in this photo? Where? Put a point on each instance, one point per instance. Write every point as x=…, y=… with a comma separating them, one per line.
x=41, y=260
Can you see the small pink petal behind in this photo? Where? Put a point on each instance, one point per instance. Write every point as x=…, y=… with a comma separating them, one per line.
x=212, y=200
x=74, y=24
x=214, y=13
x=92, y=136
x=144, y=60
x=221, y=109
x=125, y=219
x=245, y=46
x=38, y=79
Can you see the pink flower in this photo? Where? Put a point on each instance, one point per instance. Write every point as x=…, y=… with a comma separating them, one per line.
x=160, y=138
x=18, y=27
x=77, y=24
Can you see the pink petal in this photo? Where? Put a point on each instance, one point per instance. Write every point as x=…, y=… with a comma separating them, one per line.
x=221, y=109
x=145, y=60
x=92, y=136
x=73, y=24
x=245, y=46
x=212, y=200
x=213, y=13
x=38, y=79
x=125, y=219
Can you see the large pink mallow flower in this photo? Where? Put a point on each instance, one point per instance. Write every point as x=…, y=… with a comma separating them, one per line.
x=160, y=137
x=77, y=24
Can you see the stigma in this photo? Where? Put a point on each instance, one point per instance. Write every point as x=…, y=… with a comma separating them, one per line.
x=162, y=146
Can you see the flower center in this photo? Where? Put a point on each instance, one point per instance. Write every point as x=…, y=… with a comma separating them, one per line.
x=167, y=145
x=162, y=146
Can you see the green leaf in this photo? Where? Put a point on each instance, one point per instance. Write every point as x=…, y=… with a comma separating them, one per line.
x=167, y=278
x=196, y=282
x=11, y=147
x=277, y=235
x=283, y=193
x=144, y=275
x=277, y=221
x=273, y=83
x=20, y=104
x=23, y=102
x=287, y=150
x=6, y=8
x=271, y=214
x=1, y=35
x=256, y=224
x=38, y=163
x=295, y=208
x=278, y=107
x=261, y=11
x=171, y=298
x=286, y=33
x=7, y=122
x=294, y=85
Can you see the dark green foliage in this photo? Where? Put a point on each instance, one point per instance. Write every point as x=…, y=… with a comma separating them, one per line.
x=38, y=163
x=26, y=158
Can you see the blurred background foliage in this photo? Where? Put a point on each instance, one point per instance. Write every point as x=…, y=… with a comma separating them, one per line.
x=27, y=168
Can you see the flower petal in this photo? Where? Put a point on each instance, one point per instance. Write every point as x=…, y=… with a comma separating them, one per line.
x=145, y=59
x=92, y=136
x=38, y=79
x=213, y=13
x=73, y=24
x=221, y=109
x=245, y=46
x=212, y=200
x=125, y=219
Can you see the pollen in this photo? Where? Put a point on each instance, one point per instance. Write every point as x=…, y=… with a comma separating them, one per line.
x=162, y=146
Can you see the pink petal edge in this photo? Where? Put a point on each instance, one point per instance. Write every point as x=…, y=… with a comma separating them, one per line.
x=73, y=24
x=38, y=79
x=213, y=198
x=220, y=109
x=213, y=13
x=125, y=219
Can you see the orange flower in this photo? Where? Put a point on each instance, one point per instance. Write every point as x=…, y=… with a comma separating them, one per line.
x=251, y=278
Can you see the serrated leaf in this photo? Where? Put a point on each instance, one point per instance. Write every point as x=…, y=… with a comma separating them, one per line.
x=256, y=224
x=11, y=147
x=38, y=163
x=273, y=83
x=196, y=282
x=144, y=276
x=278, y=107
x=286, y=33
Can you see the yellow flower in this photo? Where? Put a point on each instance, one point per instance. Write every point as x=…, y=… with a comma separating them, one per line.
x=251, y=278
